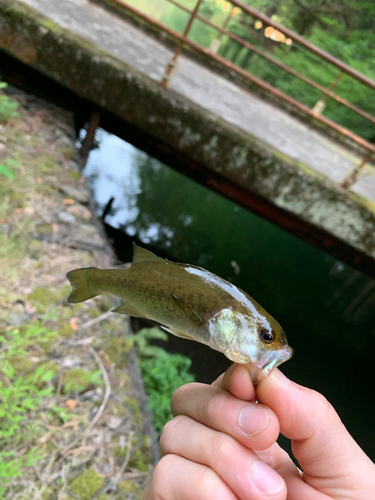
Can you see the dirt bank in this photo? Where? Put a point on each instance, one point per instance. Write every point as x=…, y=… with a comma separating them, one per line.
x=90, y=432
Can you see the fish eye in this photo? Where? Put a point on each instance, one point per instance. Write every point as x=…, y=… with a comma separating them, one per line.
x=266, y=336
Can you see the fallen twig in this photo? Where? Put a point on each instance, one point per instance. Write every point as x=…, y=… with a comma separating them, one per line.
x=87, y=431
x=114, y=482
x=94, y=321
x=127, y=457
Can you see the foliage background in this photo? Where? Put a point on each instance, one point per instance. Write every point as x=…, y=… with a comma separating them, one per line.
x=344, y=28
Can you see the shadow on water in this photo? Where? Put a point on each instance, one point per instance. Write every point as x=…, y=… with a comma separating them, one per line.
x=326, y=308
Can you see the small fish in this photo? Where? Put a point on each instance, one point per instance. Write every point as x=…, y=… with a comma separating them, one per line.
x=193, y=304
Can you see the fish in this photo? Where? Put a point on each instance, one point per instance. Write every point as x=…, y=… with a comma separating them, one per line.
x=191, y=303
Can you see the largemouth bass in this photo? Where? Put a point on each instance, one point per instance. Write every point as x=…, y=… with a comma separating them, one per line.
x=191, y=303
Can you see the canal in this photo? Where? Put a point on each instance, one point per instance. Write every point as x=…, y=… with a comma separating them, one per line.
x=326, y=308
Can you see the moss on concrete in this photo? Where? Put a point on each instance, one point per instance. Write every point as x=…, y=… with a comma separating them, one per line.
x=140, y=461
x=44, y=229
x=66, y=331
x=116, y=347
x=134, y=405
x=86, y=485
x=21, y=363
x=69, y=153
x=43, y=295
x=74, y=379
x=74, y=174
x=368, y=204
x=118, y=410
x=50, y=25
x=129, y=486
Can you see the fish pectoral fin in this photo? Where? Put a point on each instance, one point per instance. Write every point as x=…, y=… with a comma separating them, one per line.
x=130, y=310
x=188, y=311
x=176, y=333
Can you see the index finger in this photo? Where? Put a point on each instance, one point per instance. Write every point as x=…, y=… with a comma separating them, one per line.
x=237, y=381
x=252, y=424
x=322, y=445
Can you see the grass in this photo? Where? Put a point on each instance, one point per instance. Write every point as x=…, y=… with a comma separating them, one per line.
x=8, y=107
x=23, y=398
x=61, y=397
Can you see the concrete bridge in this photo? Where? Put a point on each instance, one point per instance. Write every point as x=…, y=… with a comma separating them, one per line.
x=279, y=163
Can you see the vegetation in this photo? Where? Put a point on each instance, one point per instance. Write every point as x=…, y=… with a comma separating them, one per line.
x=7, y=111
x=7, y=106
x=63, y=400
x=162, y=373
x=344, y=28
x=25, y=389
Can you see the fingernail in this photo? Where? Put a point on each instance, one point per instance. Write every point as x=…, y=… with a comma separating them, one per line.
x=266, y=479
x=253, y=419
x=282, y=377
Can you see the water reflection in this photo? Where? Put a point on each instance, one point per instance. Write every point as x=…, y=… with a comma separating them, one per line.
x=113, y=173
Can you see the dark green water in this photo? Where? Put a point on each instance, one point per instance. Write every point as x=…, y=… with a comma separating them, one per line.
x=326, y=308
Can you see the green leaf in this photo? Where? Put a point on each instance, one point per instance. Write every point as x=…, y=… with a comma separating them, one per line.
x=38, y=372
x=12, y=163
x=48, y=376
x=46, y=392
x=5, y=171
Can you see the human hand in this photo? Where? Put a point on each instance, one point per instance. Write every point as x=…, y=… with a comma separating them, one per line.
x=222, y=445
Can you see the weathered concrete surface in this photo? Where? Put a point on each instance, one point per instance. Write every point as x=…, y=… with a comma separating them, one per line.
x=203, y=118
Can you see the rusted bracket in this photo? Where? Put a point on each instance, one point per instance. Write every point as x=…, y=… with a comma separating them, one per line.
x=352, y=176
x=171, y=66
x=170, y=71
x=321, y=104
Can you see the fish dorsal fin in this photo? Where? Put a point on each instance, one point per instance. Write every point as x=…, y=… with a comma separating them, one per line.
x=141, y=255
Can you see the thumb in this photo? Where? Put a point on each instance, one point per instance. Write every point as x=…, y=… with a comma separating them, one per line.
x=328, y=455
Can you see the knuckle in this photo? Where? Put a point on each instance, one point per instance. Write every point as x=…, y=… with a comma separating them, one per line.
x=222, y=447
x=212, y=407
x=207, y=482
x=180, y=393
x=159, y=475
x=326, y=409
x=163, y=466
x=170, y=430
x=211, y=487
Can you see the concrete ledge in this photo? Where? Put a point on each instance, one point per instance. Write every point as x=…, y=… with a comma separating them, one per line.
x=199, y=143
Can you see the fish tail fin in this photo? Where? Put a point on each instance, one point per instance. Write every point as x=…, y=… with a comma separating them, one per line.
x=82, y=284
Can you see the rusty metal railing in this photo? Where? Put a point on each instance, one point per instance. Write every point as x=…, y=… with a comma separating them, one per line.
x=315, y=112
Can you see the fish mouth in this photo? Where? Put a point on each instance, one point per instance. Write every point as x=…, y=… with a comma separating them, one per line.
x=262, y=371
x=281, y=357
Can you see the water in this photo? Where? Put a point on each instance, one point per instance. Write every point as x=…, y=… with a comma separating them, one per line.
x=326, y=308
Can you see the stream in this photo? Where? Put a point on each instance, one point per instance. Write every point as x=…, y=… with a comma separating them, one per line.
x=326, y=308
